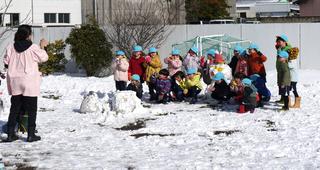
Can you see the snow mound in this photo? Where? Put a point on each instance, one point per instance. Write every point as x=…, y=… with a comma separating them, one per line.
x=125, y=102
x=90, y=103
x=115, y=108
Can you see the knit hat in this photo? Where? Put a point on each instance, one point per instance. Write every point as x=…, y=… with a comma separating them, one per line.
x=191, y=71
x=218, y=76
x=246, y=81
x=238, y=49
x=254, y=77
x=194, y=49
x=135, y=77
x=254, y=46
x=218, y=58
x=175, y=52
x=211, y=52
x=119, y=52
x=283, y=37
x=152, y=50
x=137, y=48
x=283, y=54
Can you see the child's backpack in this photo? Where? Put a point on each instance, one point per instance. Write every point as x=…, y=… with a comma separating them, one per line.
x=293, y=53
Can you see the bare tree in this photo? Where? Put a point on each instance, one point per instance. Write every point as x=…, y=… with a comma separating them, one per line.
x=4, y=8
x=139, y=22
x=3, y=11
x=6, y=31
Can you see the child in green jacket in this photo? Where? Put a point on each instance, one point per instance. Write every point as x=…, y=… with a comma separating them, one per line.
x=284, y=79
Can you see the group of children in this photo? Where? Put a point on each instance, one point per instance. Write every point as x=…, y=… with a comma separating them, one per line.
x=243, y=79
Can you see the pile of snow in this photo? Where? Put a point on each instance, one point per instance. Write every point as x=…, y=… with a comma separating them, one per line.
x=125, y=102
x=90, y=103
x=120, y=106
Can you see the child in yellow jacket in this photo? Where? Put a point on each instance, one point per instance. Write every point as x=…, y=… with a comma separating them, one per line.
x=178, y=86
x=153, y=65
x=193, y=85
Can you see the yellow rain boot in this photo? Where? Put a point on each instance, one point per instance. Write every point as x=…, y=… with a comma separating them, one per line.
x=297, y=101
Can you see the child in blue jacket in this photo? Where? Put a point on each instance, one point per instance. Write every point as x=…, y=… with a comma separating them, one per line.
x=260, y=84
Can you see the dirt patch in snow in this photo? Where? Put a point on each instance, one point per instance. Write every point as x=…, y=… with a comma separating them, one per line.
x=166, y=114
x=225, y=132
x=139, y=124
x=133, y=126
x=51, y=96
x=270, y=125
x=139, y=135
x=41, y=109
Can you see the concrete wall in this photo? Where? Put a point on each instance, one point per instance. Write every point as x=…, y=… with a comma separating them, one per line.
x=49, y=33
x=302, y=35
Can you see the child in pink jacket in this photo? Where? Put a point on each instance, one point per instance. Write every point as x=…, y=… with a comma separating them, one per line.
x=120, y=68
x=174, y=62
x=23, y=79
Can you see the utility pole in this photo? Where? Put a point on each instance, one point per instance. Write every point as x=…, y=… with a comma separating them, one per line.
x=110, y=10
x=31, y=12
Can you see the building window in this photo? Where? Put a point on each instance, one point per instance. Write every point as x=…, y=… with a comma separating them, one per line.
x=50, y=18
x=11, y=19
x=243, y=15
x=64, y=18
x=14, y=19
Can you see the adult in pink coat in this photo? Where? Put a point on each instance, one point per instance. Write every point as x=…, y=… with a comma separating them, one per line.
x=23, y=79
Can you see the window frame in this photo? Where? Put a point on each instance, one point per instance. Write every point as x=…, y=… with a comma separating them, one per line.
x=50, y=18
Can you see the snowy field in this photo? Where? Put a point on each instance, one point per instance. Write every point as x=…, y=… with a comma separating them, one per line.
x=172, y=136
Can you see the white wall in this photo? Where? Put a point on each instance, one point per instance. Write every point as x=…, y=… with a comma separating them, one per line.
x=305, y=36
x=45, y=6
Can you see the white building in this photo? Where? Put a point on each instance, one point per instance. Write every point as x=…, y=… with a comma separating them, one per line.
x=41, y=12
x=264, y=8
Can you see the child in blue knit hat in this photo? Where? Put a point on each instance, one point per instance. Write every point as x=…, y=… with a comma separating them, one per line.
x=193, y=85
x=192, y=61
x=249, y=100
x=284, y=79
x=219, y=88
x=135, y=85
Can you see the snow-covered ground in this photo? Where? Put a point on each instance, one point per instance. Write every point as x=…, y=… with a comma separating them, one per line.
x=172, y=136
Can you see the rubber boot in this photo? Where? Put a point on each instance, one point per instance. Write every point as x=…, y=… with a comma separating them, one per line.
x=11, y=135
x=31, y=135
x=280, y=101
x=242, y=109
x=32, y=128
x=11, y=126
x=194, y=100
x=286, y=103
x=297, y=102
